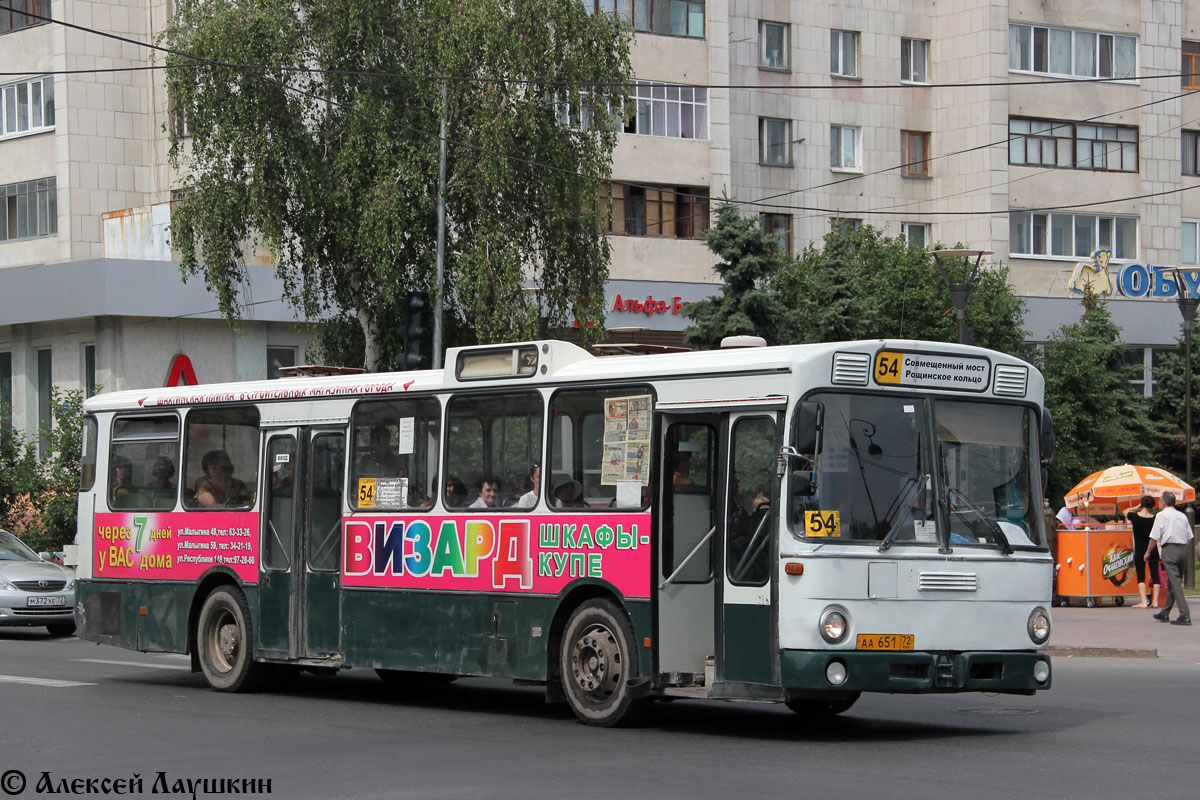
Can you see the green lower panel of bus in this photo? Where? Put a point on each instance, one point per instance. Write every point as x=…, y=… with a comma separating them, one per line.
x=151, y=617
x=806, y=670
x=463, y=634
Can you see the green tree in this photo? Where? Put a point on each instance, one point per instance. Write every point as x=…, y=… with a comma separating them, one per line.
x=328, y=155
x=746, y=306
x=1100, y=418
x=863, y=284
x=39, y=493
x=1168, y=406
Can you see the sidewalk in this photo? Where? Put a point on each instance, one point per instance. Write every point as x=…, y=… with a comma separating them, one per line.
x=1123, y=631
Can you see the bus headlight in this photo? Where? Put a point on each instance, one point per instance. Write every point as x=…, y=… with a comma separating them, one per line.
x=1041, y=671
x=833, y=625
x=1039, y=625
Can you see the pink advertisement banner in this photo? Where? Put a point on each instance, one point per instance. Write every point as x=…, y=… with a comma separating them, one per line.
x=177, y=546
x=540, y=553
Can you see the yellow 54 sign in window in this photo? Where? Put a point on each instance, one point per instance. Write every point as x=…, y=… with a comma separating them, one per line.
x=366, y=492
x=887, y=367
x=823, y=523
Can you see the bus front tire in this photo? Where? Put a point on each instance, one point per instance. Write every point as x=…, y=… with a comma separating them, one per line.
x=810, y=707
x=224, y=643
x=597, y=663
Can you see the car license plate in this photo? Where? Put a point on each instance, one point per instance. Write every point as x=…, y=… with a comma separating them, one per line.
x=885, y=641
x=47, y=601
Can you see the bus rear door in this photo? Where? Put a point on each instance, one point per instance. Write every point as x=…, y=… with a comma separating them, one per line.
x=299, y=585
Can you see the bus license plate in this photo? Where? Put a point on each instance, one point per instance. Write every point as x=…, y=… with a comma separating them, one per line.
x=47, y=601
x=885, y=641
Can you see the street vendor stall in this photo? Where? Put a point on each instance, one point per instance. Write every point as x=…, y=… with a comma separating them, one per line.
x=1092, y=559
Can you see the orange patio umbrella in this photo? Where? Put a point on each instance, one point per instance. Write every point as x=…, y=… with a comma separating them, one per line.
x=1121, y=488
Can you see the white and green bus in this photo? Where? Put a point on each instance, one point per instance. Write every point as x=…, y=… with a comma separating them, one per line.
x=799, y=524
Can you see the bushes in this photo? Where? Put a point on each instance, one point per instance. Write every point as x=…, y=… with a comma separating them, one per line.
x=39, y=492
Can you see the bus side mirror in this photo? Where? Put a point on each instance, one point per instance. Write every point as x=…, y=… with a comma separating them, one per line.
x=1047, y=437
x=810, y=417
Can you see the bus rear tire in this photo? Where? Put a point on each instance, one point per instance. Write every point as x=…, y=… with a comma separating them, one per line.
x=597, y=662
x=224, y=643
x=817, y=708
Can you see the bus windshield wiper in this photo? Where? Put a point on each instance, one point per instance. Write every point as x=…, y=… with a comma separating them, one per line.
x=893, y=527
x=991, y=524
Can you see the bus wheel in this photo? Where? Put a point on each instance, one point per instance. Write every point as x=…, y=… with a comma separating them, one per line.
x=224, y=642
x=822, y=708
x=597, y=663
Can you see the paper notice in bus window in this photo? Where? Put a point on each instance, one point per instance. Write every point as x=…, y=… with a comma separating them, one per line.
x=637, y=467
x=835, y=461
x=629, y=494
x=406, y=428
x=638, y=418
x=925, y=531
x=391, y=493
x=612, y=469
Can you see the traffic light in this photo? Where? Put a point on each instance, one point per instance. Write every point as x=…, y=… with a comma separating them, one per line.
x=412, y=333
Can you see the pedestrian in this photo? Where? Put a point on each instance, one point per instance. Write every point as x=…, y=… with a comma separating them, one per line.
x=1142, y=521
x=1171, y=533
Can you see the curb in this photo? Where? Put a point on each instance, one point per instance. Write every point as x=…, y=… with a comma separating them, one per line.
x=1070, y=651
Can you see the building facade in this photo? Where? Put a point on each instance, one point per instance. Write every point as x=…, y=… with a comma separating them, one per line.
x=1041, y=132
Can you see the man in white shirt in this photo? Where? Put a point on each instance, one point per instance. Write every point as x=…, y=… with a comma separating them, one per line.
x=489, y=490
x=1171, y=533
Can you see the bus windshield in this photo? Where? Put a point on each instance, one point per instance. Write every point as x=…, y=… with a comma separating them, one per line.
x=881, y=470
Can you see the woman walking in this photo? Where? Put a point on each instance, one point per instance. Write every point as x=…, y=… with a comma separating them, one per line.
x=1142, y=520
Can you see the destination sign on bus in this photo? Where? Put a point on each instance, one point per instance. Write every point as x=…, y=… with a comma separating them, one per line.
x=932, y=371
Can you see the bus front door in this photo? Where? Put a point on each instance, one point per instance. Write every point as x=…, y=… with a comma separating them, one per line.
x=689, y=528
x=299, y=585
x=747, y=623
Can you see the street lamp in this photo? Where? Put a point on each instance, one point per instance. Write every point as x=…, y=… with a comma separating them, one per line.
x=960, y=293
x=1187, y=307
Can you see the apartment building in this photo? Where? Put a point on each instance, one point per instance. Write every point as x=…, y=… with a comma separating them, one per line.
x=961, y=121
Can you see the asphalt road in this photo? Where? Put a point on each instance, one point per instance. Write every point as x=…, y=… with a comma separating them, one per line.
x=1110, y=728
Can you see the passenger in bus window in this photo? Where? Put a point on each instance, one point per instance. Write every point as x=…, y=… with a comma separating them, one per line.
x=121, y=479
x=162, y=485
x=218, y=488
x=683, y=470
x=567, y=492
x=489, y=492
x=456, y=493
x=529, y=499
x=382, y=458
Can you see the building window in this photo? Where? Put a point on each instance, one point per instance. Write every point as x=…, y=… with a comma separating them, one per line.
x=1067, y=235
x=279, y=357
x=914, y=60
x=774, y=139
x=914, y=146
x=44, y=392
x=1072, y=53
x=679, y=212
x=27, y=106
x=773, y=45
x=180, y=122
x=845, y=226
x=1191, y=149
x=1191, y=65
x=1069, y=145
x=916, y=234
x=13, y=14
x=5, y=393
x=1189, y=252
x=844, y=148
x=667, y=109
x=779, y=226
x=843, y=53
x=89, y=370
x=671, y=17
x=29, y=209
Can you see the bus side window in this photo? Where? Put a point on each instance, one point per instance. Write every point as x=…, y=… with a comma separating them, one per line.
x=142, y=463
x=221, y=458
x=491, y=443
x=600, y=448
x=395, y=449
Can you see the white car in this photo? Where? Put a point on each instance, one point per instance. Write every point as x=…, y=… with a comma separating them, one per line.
x=33, y=591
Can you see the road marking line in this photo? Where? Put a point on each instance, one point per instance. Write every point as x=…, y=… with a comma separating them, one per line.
x=57, y=684
x=133, y=663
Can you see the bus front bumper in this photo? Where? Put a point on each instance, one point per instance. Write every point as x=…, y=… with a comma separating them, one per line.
x=914, y=672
